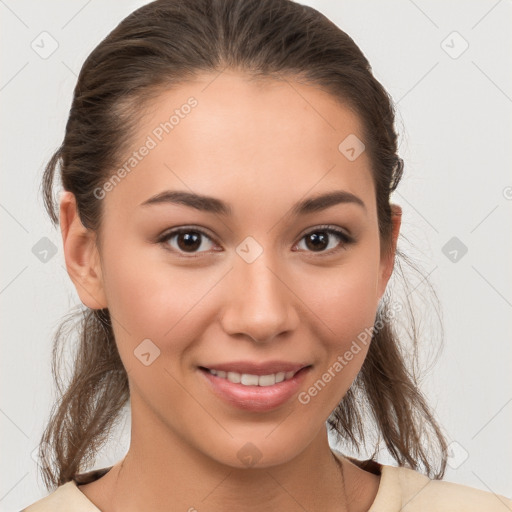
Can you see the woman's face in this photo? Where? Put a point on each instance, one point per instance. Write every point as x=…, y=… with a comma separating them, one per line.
x=254, y=287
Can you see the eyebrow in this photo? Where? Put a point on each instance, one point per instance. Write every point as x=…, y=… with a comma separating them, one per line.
x=213, y=205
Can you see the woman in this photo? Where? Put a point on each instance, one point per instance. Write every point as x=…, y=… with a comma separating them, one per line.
x=226, y=220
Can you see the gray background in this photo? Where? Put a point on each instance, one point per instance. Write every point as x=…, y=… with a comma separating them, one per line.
x=454, y=120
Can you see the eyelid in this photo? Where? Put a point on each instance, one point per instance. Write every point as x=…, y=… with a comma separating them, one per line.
x=328, y=227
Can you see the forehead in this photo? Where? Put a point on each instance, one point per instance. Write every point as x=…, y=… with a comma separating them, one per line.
x=224, y=133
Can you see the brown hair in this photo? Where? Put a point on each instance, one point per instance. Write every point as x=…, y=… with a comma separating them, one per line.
x=163, y=44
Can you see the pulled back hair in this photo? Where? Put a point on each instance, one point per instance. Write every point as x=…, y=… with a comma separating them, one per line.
x=162, y=45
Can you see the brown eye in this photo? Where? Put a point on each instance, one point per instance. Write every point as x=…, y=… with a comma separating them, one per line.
x=190, y=241
x=187, y=240
x=323, y=240
x=317, y=241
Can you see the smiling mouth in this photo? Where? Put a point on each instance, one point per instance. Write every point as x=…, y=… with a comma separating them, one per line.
x=260, y=391
x=248, y=379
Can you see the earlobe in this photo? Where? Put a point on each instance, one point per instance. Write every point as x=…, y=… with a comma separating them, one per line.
x=396, y=218
x=81, y=254
x=388, y=258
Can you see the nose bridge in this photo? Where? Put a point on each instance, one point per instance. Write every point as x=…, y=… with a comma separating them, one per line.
x=259, y=304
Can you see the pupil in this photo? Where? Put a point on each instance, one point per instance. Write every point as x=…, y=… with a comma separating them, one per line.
x=315, y=238
x=192, y=240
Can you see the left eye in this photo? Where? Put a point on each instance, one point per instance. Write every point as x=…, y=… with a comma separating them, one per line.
x=189, y=240
x=321, y=236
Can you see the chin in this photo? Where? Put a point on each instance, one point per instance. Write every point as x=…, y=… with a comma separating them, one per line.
x=260, y=451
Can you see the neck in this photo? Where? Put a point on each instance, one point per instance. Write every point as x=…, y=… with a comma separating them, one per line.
x=172, y=475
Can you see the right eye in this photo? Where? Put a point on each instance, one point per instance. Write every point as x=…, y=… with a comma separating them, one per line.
x=187, y=240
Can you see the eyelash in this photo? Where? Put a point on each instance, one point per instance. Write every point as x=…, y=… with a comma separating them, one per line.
x=345, y=239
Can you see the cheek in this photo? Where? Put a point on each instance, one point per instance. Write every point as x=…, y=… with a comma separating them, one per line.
x=345, y=297
x=345, y=302
x=350, y=306
x=160, y=302
x=346, y=306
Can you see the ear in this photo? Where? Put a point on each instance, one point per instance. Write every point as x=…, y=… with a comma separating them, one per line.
x=81, y=254
x=388, y=254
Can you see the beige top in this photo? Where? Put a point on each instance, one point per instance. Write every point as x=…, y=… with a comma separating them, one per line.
x=400, y=489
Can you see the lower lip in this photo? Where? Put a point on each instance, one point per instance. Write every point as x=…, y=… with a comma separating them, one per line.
x=255, y=398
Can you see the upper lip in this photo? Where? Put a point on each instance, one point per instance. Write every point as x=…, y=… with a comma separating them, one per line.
x=254, y=368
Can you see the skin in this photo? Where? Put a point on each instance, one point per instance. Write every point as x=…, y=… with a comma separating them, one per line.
x=293, y=303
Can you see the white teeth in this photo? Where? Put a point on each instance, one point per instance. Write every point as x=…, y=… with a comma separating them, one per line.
x=267, y=380
x=248, y=379
x=233, y=377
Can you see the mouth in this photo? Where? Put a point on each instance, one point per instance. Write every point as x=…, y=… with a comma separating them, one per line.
x=249, y=379
x=255, y=387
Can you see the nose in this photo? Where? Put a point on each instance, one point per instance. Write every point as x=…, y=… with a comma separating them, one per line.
x=260, y=303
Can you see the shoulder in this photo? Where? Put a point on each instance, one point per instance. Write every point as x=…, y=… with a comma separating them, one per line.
x=405, y=489
x=65, y=498
x=68, y=496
